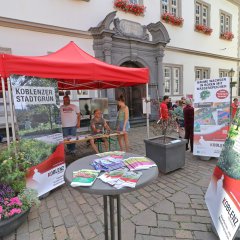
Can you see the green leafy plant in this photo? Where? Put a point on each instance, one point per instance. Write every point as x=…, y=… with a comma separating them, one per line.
x=204, y=94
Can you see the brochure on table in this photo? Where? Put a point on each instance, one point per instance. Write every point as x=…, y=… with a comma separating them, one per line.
x=36, y=102
x=223, y=195
x=211, y=116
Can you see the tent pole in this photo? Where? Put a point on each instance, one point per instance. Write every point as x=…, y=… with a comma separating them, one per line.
x=147, y=100
x=11, y=109
x=5, y=111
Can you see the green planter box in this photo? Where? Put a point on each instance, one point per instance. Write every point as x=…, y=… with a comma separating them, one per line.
x=168, y=156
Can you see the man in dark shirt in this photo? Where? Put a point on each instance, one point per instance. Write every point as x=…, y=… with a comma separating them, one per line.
x=188, y=113
x=98, y=124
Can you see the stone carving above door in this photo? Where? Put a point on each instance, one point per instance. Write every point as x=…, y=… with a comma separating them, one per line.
x=130, y=29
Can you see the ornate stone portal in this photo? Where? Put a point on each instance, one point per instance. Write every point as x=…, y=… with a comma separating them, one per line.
x=127, y=43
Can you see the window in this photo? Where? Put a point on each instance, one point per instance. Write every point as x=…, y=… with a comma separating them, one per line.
x=225, y=22
x=202, y=13
x=202, y=73
x=223, y=73
x=172, y=80
x=136, y=2
x=171, y=6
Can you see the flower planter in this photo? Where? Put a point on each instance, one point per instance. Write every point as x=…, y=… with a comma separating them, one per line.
x=9, y=225
x=203, y=29
x=168, y=156
x=171, y=19
x=126, y=6
x=227, y=36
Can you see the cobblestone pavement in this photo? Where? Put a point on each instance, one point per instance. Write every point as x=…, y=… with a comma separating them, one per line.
x=172, y=207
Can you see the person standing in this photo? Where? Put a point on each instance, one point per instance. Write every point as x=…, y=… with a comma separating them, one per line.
x=178, y=112
x=70, y=115
x=98, y=124
x=123, y=124
x=234, y=107
x=188, y=113
x=164, y=114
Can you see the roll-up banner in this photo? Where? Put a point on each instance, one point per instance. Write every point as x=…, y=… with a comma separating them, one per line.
x=211, y=116
x=223, y=194
x=36, y=103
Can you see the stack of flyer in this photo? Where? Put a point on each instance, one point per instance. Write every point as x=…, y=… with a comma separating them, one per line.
x=138, y=163
x=108, y=163
x=112, y=153
x=121, y=178
x=84, y=177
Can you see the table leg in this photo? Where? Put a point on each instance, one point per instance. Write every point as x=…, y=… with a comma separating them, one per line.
x=105, y=207
x=111, y=198
x=119, y=217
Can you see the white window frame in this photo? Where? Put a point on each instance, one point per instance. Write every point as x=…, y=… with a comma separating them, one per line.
x=136, y=2
x=168, y=6
x=172, y=78
x=224, y=26
x=202, y=13
x=202, y=73
x=223, y=73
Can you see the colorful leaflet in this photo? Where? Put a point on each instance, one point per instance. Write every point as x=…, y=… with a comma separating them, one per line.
x=84, y=177
x=138, y=163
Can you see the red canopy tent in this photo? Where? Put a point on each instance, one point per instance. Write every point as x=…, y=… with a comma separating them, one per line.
x=74, y=69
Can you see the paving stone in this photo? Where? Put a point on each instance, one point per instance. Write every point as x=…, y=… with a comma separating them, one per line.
x=23, y=228
x=45, y=220
x=180, y=197
x=33, y=215
x=197, y=219
x=97, y=227
x=86, y=208
x=185, y=211
x=61, y=204
x=140, y=206
x=205, y=235
x=51, y=203
x=128, y=230
x=181, y=205
x=34, y=225
x=142, y=230
x=165, y=207
x=88, y=232
x=81, y=220
x=54, y=212
x=48, y=234
x=182, y=234
x=69, y=221
x=146, y=237
x=80, y=200
x=91, y=217
x=203, y=213
x=57, y=221
x=145, y=218
x=36, y=235
x=21, y=236
x=168, y=224
x=194, y=226
x=180, y=218
x=61, y=233
x=162, y=217
x=164, y=232
x=74, y=233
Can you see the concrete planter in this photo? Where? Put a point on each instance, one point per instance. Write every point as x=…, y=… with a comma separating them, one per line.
x=168, y=156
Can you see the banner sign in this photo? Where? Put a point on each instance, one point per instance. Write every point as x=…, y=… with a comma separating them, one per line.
x=223, y=194
x=37, y=104
x=211, y=116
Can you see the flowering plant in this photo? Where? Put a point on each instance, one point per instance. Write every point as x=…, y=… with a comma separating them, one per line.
x=126, y=6
x=11, y=205
x=227, y=36
x=169, y=18
x=204, y=29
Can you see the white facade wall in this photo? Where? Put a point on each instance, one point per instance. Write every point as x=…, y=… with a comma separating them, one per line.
x=80, y=15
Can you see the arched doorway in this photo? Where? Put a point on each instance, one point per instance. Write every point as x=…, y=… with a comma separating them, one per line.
x=133, y=95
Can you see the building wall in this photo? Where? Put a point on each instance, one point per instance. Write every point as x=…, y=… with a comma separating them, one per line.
x=183, y=49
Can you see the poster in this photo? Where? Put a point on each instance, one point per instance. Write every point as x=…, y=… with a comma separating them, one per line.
x=223, y=195
x=211, y=116
x=36, y=103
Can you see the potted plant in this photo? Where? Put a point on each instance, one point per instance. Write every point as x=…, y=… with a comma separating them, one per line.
x=227, y=36
x=170, y=18
x=126, y=6
x=15, y=199
x=203, y=29
x=166, y=151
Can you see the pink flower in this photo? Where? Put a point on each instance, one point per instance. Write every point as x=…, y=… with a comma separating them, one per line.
x=14, y=211
x=1, y=209
x=15, y=201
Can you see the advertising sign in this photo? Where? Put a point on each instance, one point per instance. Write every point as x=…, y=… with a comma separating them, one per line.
x=223, y=195
x=36, y=104
x=211, y=116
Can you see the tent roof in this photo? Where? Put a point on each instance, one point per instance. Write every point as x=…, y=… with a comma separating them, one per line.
x=74, y=69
